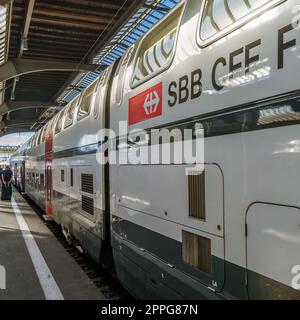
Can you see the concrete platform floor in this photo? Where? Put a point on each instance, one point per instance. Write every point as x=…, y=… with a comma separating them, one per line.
x=33, y=264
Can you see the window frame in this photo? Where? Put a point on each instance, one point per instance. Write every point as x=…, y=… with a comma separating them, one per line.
x=34, y=140
x=234, y=26
x=97, y=92
x=95, y=82
x=44, y=132
x=74, y=113
x=130, y=56
x=42, y=180
x=45, y=129
x=39, y=136
x=52, y=124
x=135, y=54
x=60, y=116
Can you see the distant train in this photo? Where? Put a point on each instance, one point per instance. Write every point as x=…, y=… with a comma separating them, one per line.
x=233, y=231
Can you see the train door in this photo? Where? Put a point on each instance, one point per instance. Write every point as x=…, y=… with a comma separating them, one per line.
x=16, y=174
x=48, y=194
x=273, y=251
x=23, y=176
x=101, y=111
x=48, y=173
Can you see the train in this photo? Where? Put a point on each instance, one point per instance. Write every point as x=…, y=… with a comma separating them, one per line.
x=231, y=231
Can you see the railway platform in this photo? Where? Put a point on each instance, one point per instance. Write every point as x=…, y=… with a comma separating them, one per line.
x=33, y=263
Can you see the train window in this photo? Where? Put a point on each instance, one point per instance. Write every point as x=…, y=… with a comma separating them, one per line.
x=37, y=179
x=59, y=123
x=44, y=132
x=42, y=180
x=52, y=124
x=196, y=251
x=62, y=175
x=156, y=49
x=86, y=102
x=71, y=178
x=220, y=17
x=69, y=119
x=33, y=144
x=39, y=136
x=120, y=73
x=101, y=89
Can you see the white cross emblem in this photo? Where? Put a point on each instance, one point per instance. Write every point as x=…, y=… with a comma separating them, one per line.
x=151, y=102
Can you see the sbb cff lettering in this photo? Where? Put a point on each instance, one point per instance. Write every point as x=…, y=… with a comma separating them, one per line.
x=187, y=87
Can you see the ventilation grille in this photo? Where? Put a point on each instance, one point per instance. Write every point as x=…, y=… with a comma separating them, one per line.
x=87, y=183
x=196, y=251
x=196, y=194
x=87, y=205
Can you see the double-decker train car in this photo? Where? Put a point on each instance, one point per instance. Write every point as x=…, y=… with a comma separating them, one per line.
x=18, y=167
x=231, y=231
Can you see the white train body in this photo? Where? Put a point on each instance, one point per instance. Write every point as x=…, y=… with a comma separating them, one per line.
x=236, y=77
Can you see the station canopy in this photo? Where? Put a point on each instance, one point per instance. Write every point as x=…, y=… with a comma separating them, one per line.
x=50, y=50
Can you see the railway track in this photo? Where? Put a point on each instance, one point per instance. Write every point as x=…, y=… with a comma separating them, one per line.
x=104, y=279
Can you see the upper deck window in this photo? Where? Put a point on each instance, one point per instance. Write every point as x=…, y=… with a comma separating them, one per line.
x=33, y=141
x=121, y=72
x=101, y=90
x=70, y=113
x=220, y=15
x=44, y=132
x=59, y=122
x=39, y=136
x=85, y=102
x=156, y=49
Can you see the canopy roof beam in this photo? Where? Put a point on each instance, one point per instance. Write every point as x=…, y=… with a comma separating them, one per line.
x=17, y=67
x=17, y=123
x=19, y=105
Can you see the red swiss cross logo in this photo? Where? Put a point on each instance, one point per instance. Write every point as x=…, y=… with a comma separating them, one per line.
x=146, y=105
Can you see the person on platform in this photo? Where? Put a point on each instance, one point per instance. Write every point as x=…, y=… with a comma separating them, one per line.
x=1, y=170
x=7, y=175
x=6, y=178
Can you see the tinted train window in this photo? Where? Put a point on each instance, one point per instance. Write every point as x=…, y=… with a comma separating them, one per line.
x=71, y=177
x=39, y=136
x=220, y=14
x=59, y=123
x=85, y=102
x=100, y=91
x=42, y=180
x=43, y=134
x=70, y=113
x=121, y=72
x=156, y=49
x=34, y=141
